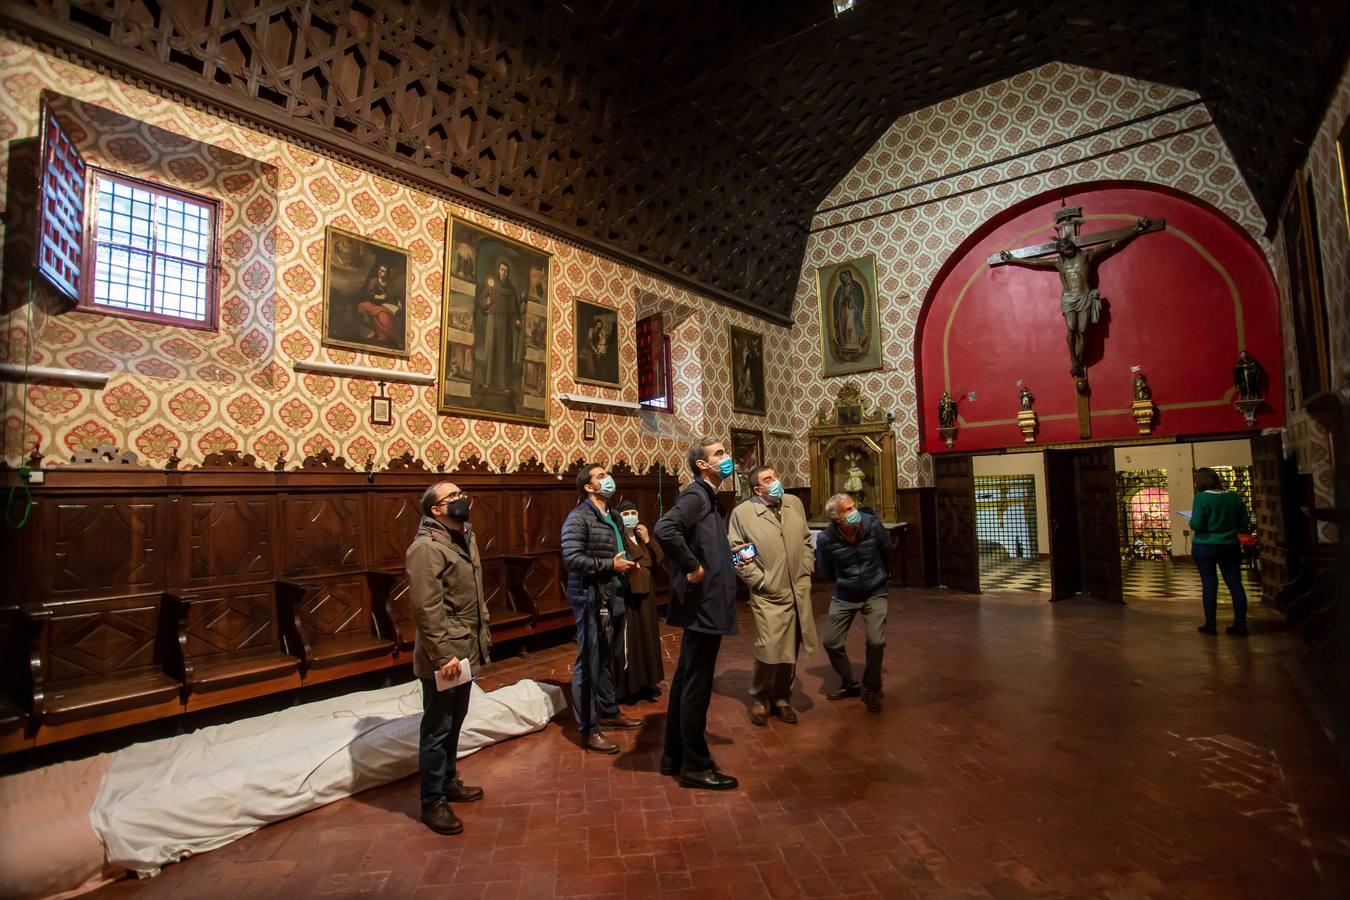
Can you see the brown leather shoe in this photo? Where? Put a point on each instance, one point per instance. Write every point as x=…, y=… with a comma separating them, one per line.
x=440, y=818
x=601, y=744
x=459, y=792
x=786, y=713
x=759, y=713
x=621, y=721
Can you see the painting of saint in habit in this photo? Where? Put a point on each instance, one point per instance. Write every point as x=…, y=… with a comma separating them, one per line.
x=365, y=294
x=494, y=327
x=747, y=371
x=597, y=344
x=849, y=327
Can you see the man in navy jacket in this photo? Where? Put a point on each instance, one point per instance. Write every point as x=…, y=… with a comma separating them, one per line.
x=854, y=552
x=593, y=554
x=693, y=535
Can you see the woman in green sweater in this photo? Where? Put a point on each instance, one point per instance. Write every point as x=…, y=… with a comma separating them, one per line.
x=1216, y=519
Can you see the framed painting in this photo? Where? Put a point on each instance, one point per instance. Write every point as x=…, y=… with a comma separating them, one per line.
x=747, y=371
x=850, y=325
x=1343, y=170
x=1298, y=226
x=365, y=294
x=494, y=327
x=747, y=449
x=597, y=346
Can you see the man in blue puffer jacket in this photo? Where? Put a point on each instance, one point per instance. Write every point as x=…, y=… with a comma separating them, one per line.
x=854, y=552
x=593, y=554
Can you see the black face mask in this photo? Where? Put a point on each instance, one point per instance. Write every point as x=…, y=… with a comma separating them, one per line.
x=458, y=510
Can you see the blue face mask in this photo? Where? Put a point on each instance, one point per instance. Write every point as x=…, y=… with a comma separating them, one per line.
x=776, y=490
x=726, y=467
x=606, y=489
x=853, y=518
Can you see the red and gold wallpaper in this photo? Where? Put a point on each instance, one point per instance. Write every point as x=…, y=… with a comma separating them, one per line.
x=192, y=392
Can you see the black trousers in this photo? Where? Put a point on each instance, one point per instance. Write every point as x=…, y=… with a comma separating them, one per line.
x=690, y=693
x=443, y=714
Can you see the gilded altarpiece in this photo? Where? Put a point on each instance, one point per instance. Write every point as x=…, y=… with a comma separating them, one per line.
x=852, y=449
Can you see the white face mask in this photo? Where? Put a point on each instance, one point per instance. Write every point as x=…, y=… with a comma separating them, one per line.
x=630, y=520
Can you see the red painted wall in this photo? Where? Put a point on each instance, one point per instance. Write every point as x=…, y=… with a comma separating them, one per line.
x=1179, y=303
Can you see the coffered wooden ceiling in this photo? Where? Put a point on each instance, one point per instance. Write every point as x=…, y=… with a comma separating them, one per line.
x=692, y=138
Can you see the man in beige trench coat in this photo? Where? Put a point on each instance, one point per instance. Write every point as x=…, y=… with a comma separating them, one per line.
x=779, y=579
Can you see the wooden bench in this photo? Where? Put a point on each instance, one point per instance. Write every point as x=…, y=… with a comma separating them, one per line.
x=330, y=625
x=98, y=664
x=229, y=645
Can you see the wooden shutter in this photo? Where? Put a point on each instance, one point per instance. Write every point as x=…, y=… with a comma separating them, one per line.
x=60, y=225
x=958, y=549
x=651, y=359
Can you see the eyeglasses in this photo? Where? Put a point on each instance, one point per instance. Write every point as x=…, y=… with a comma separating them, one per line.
x=450, y=498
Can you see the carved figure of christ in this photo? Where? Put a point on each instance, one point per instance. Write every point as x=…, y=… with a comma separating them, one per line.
x=1073, y=258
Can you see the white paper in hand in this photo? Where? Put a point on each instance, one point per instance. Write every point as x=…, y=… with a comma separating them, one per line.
x=444, y=684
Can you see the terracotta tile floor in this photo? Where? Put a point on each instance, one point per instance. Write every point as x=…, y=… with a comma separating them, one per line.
x=1024, y=751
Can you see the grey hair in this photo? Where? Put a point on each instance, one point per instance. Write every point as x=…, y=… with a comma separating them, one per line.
x=832, y=504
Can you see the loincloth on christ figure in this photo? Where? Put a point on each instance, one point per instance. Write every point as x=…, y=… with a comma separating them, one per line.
x=1074, y=304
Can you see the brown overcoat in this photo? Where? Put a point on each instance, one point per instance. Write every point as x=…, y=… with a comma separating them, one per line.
x=445, y=585
x=779, y=578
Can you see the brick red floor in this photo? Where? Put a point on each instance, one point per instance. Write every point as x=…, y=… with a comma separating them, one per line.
x=1025, y=750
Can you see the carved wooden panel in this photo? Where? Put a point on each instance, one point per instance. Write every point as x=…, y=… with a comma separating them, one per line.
x=338, y=607
x=958, y=550
x=229, y=540
x=544, y=514
x=537, y=581
x=488, y=523
x=1098, y=523
x=240, y=621
x=101, y=547
x=93, y=639
x=393, y=524
x=400, y=610
x=322, y=533
x=516, y=506
x=495, y=588
x=1268, y=486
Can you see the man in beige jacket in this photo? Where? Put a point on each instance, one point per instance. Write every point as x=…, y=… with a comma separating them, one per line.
x=779, y=579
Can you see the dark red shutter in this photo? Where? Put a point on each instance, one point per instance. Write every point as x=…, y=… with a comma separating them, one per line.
x=61, y=181
x=651, y=359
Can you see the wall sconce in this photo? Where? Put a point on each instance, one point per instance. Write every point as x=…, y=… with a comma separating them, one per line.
x=381, y=408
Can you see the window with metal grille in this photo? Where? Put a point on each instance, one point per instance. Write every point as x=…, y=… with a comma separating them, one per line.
x=150, y=252
x=1005, y=519
x=1145, y=514
x=1238, y=479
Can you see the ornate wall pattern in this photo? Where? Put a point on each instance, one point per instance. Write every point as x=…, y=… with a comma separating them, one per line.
x=932, y=204
x=156, y=404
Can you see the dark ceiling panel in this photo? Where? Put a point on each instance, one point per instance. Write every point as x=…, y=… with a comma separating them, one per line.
x=695, y=138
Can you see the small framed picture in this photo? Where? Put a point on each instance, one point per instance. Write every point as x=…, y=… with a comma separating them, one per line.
x=588, y=429
x=381, y=411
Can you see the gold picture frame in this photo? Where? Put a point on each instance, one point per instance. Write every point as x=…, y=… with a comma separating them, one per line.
x=747, y=371
x=495, y=340
x=850, y=320
x=595, y=357
x=365, y=294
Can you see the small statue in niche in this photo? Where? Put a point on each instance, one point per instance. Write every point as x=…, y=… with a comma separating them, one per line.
x=1248, y=377
x=1026, y=399
x=1141, y=389
x=946, y=411
x=853, y=475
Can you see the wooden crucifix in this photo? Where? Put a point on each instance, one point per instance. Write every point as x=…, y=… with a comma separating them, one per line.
x=1073, y=256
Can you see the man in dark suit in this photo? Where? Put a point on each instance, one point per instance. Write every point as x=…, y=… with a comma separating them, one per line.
x=702, y=602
